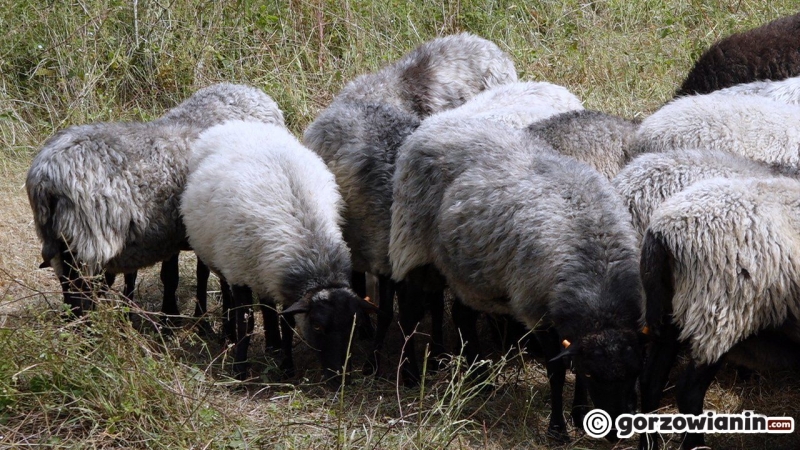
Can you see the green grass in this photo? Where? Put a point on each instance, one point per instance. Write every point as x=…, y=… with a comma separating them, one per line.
x=108, y=385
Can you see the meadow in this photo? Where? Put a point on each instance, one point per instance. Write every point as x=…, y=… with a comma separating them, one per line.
x=107, y=384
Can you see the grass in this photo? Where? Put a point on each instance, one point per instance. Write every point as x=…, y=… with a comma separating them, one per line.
x=108, y=385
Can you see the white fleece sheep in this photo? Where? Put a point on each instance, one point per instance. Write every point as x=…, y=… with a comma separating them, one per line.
x=752, y=126
x=265, y=213
x=106, y=194
x=784, y=91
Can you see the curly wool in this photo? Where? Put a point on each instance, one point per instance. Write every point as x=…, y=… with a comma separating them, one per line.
x=595, y=138
x=751, y=126
x=443, y=147
x=652, y=178
x=785, y=91
x=769, y=52
x=540, y=236
x=111, y=191
x=736, y=257
x=264, y=211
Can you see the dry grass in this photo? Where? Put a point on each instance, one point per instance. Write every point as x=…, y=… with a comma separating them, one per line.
x=62, y=63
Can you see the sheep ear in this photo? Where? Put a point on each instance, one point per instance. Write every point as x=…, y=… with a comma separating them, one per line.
x=300, y=307
x=570, y=350
x=368, y=307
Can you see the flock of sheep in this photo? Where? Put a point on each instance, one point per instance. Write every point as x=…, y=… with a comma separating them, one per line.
x=442, y=170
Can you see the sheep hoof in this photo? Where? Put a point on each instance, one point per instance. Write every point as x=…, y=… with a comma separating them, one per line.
x=578, y=414
x=558, y=432
x=204, y=328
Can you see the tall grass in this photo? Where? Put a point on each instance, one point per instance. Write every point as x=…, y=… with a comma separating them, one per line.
x=105, y=384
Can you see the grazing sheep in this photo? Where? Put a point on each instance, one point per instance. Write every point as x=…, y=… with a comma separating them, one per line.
x=520, y=230
x=359, y=133
x=595, y=138
x=720, y=266
x=105, y=196
x=652, y=178
x=784, y=91
x=752, y=126
x=264, y=212
x=769, y=52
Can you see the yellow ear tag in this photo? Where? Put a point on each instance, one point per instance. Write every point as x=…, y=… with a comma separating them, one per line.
x=646, y=330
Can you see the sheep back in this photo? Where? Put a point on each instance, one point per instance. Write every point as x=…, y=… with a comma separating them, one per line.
x=359, y=142
x=752, y=126
x=771, y=51
x=595, y=138
x=264, y=211
x=110, y=190
x=735, y=251
x=650, y=179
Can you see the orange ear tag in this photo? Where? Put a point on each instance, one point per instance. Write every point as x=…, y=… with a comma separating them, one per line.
x=565, y=343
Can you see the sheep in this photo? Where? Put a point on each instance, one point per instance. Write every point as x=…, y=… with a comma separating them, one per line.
x=769, y=52
x=516, y=106
x=598, y=139
x=105, y=196
x=756, y=127
x=785, y=91
x=720, y=265
x=519, y=229
x=265, y=212
x=652, y=178
x=359, y=133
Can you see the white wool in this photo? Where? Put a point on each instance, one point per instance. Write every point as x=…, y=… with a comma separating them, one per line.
x=257, y=202
x=736, y=244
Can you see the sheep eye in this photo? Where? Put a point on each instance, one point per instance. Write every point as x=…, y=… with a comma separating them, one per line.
x=318, y=328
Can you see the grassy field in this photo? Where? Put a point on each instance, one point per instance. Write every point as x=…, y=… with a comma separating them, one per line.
x=107, y=385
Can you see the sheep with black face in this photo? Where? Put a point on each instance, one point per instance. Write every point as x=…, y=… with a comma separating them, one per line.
x=265, y=213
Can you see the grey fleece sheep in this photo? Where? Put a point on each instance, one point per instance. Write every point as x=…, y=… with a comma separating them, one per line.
x=652, y=178
x=595, y=138
x=752, y=126
x=721, y=270
x=515, y=106
x=105, y=196
x=359, y=133
x=785, y=91
x=514, y=228
x=769, y=52
x=264, y=212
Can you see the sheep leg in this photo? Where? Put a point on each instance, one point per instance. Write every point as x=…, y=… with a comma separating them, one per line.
x=691, y=391
x=580, y=401
x=287, y=338
x=466, y=320
x=75, y=288
x=272, y=332
x=411, y=306
x=358, y=281
x=130, y=285
x=228, y=324
x=243, y=314
x=655, y=374
x=169, y=277
x=435, y=302
x=201, y=305
x=556, y=372
x=386, y=290
x=203, y=273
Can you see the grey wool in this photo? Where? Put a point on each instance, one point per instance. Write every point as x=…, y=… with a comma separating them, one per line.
x=731, y=254
x=652, y=178
x=359, y=134
x=110, y=191
x=769, y=52
x=601, y=140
